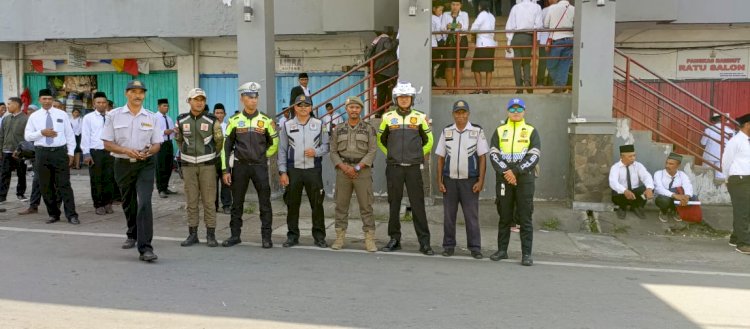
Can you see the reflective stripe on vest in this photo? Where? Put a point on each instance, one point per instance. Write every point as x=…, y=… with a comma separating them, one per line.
x=514, y=139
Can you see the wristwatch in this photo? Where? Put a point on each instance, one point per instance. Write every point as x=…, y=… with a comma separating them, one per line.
x=357, y=168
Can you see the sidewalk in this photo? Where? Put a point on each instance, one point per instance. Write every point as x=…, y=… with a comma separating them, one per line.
x=559, y=234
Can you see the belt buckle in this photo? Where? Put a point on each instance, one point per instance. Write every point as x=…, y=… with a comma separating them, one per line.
x=132, y=160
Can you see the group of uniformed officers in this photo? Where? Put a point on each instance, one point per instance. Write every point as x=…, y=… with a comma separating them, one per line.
x=133, y=135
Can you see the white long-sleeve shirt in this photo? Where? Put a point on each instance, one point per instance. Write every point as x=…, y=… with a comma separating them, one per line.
x=711, y=141
x=638, y=176
x=436, y=28
x=169, y=124
x=736, y=159
x=662, y=180
x=543, y=36
x=462, y=18
x=76, y=124
x=60, y=124
x=485, y=22
x=557, y=11
x=525, y=15
x=91, y=132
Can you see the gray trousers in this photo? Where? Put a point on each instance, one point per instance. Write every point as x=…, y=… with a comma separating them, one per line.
x=458, y=191
x=522, y=67
x=739, y=192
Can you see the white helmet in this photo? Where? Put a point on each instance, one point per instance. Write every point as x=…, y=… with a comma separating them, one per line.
x=404, y=89
x=249, y=88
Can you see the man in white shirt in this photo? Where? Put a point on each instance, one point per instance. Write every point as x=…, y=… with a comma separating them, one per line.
x=542, y=79
x=672, y=184
x=99, y=161
x=224, y=192
x=52, y=134
x=560, y=16
x=525, y=15
x=631, y=183
x=438, y=40
x=736, y=166
x=165, y=158
x=712, y=141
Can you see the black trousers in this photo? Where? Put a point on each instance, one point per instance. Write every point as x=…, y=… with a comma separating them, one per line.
x=102, y=177
x=54, y=178
x=164, y=164
x=223, y=192
x=242, y=174
x=136, y=182
x=311, y=180
x=739, y=192
x=516, y=200
x=411, y=176
x=522, y=67
x=459, y=191
x=621, y=201
x=9, y=165
x=666, y=204
x=384, y=91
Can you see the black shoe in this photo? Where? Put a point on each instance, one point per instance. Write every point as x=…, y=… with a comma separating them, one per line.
x=267, y=243
x=22, y=198
x=290, y=243
x=392, y=245
x=108, y=209
x=426, y=250
x=163, y=195
x=53, y=220
x=477, y=254
x=733, y=240
x=148, y=256
x=129, y=244
x=100, y=211
x=233, y=240
x=210, y=237
x=500, y=254
x=447, y=252
x=192, y=237
x=638, y=211
x=620, y=213
x=526, y=260
x=74, y=220
x=321, y=243
x=227, y=210
x=168, y=191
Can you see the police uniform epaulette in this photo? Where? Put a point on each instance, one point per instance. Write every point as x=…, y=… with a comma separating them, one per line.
x=234, y=115
x=418, y=111
x=448, y=126
x=183, y=115
x=211, y=116
x=476, y=125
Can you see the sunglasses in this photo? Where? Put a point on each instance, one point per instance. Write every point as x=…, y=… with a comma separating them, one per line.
x=516, y=109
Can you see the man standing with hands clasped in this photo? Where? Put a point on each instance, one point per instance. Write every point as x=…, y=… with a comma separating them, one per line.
x=736, y=167
x=52, y=134
x=131, y=133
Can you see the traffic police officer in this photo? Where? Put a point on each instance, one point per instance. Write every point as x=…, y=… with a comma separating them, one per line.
x=353, y=148
x=302, y=144
x=515, y=149
x=252, y=138
x=461, y=151
x=200, y=139
x=131, y=133
x=406, y=138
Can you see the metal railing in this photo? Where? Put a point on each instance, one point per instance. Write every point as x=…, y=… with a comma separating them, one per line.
x=535, y=58
x=673, y=114
x=370, y=86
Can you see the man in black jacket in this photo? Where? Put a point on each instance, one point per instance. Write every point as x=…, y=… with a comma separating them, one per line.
x=382, y=71
x=302, y=89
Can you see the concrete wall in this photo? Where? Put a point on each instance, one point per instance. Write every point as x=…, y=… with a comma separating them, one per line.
x=684, y=11
x=84, y=19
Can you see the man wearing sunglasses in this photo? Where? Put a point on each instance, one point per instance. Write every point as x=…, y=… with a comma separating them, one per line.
x=515, y=149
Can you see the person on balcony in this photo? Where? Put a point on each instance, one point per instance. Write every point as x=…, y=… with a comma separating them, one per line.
x=384, y=71
x=560, y=16
x=736, y=166
x=672, y=184
x=525, y=15
x=711, y=142
x=631, y=183
x=484, y=54
x=438, y=40
x=455, y=20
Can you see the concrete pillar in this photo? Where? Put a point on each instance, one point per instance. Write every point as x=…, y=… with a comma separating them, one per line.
x=185, y=81
x=255, y=51
x=416, y=50
x=591, y=125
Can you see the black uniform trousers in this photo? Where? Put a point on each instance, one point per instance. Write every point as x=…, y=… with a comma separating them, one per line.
x=516, y=200
x=136, y=182
x=739, y=192
x=9, y=165
x=164, y=164
x=242, y=174
x=54, y=178
x=459, y=191
x=621, y=201
x=102, y=177
x=397, y=176
x=311, y=180
x=223, y=192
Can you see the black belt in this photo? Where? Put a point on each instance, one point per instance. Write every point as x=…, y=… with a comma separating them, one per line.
x=98, y=150
x=129, y=160
x=50, y=149
x=350, y=160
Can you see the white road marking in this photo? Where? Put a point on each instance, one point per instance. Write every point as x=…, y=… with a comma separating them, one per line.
x=437, y=257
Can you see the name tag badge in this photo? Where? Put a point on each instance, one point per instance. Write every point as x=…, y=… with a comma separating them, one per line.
x=413, y=127
x=394, y=127
x=449, y=134
x=294, y=127
x=260, y=131
x=313, y=126
x=146, y=124
x=473, y=133
x=204, y=126
x=186, y=127
x=242, y=130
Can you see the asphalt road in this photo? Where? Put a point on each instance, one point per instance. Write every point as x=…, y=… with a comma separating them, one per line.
x=85, y=280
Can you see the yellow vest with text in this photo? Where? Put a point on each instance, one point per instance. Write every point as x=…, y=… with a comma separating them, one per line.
x=514, y=139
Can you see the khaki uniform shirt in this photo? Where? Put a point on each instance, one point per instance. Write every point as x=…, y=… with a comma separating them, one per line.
x=353, y=145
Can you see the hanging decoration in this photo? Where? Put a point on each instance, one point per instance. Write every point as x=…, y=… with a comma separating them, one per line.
x=130, y=66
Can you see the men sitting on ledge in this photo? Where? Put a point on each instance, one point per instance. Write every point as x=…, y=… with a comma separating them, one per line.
x=631, y=183
x=672, y=185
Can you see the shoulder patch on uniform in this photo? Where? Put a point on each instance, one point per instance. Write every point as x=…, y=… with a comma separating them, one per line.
x=476, y=125
x=418, y=111
x=183, y=115
x=448, y=126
